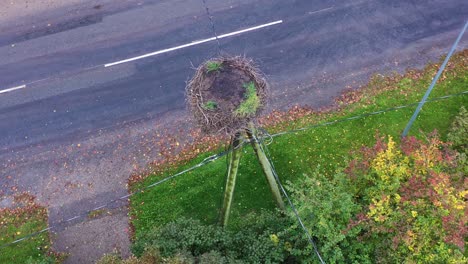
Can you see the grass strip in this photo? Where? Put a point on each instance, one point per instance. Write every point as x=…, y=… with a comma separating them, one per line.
x=25, y=218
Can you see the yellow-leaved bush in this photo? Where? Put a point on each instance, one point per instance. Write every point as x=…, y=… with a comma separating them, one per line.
x=416, y=201
x=393, y=203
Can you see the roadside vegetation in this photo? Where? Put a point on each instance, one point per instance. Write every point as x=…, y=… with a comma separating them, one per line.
x=354, y=182
x=24, y=218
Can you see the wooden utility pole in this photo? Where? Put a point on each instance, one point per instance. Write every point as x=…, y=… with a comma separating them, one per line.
x=266, y=166
x=234, y=166
x=231, y=179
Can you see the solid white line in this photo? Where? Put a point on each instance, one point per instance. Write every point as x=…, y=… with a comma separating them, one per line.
x=12, y=89
x=194, y=43
x=159, y=52
x=250, y=29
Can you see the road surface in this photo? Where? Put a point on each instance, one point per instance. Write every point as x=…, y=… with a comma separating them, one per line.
x=82, y=92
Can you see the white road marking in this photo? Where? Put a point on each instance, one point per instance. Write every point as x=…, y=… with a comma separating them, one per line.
x=12, y=89
x=198, y=42
x=321, y=10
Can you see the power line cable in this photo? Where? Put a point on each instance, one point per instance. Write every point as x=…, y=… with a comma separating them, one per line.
x=294, y=131
x=434, y=81
x=228, y=148
x=213, y=28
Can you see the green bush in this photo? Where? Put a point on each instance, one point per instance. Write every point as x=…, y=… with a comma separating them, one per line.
x=260, y=238
x=216, y=257
x=184, y=234
x=458, y=136
x=326, y=206
x=150, y=256
x=458, y=132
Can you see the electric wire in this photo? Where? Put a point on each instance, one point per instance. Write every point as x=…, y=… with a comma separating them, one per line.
x=294, y=131
x=434, y=81
x=213, y=28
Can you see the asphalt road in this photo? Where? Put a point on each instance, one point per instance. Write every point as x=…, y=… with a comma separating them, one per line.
x=58, y=57
x=72, y=94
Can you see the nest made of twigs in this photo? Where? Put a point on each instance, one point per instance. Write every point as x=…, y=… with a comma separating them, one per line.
x=226, y=93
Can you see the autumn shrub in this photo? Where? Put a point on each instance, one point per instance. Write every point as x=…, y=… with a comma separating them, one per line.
x=414, y=202
x=393, y=203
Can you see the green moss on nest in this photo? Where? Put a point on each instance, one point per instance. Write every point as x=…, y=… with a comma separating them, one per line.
x=210, y=105
x=213, y=66
x=251, y=103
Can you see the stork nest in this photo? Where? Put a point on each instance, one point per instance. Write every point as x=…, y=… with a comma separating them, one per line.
x=226, y=93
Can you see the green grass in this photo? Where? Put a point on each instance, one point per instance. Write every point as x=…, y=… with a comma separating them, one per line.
x=17, y=223
x=210, y=105
x=212, y=66
x=251, y=101
x=198, y=194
